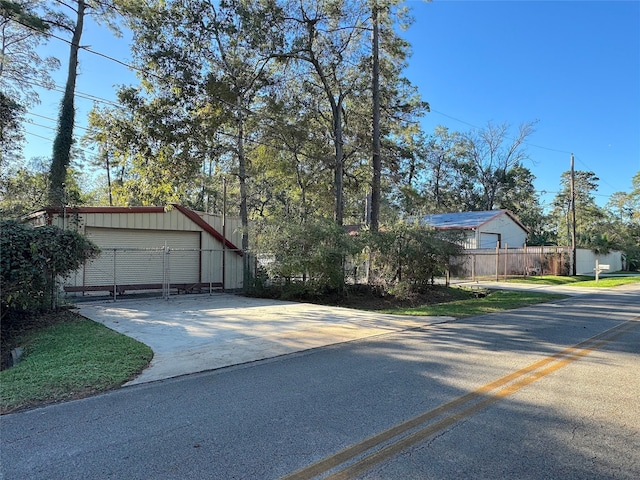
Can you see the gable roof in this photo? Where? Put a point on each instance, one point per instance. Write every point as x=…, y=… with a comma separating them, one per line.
x=187, y=212
x=466, y=220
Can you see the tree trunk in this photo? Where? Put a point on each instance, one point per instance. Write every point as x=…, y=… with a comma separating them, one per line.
x=242, y=176
x=376, y=161
x=339, y=166
x=64, y=138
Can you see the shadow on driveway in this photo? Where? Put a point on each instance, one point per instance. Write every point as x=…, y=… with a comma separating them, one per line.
x=194, y=333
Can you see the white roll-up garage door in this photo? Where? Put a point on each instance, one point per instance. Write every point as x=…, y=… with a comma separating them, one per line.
x=137, y=257
x=489, y=240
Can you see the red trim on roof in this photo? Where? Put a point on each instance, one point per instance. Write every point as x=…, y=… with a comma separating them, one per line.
x=193, y=216
x=198, y=220
x=58, y=210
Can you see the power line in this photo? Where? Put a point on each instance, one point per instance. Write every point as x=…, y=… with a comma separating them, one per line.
x=39, y=136
x=53, y=120
x=86, y=96
x=95, y=98
x=511, y=138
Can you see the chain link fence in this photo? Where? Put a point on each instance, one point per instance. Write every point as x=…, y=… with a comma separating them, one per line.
x=161, y=271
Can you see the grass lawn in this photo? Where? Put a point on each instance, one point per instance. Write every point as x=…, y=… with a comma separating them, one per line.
x=495, y=301
x=606, y=282
x=550, y=280
x=72, y=357
x=578, y=281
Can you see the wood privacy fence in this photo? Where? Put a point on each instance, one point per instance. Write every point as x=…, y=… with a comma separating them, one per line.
x=505, y=262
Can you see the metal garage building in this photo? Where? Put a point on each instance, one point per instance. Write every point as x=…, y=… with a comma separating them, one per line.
x=486, y=229
x=152, y=248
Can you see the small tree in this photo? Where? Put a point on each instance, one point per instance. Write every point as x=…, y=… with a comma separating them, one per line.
x=31, y=259
x=311, y=253
x=412, y=255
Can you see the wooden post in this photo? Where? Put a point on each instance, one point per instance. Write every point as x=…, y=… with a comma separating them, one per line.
x=473, y=268
x=506, y=259
x=497, y=260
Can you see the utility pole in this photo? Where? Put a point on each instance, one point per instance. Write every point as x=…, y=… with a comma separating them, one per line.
x=106, y=156
x=573, y=219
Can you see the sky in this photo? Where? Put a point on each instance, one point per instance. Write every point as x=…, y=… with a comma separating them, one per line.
x=571, y=66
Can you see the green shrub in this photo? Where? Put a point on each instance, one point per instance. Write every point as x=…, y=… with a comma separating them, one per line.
x=311, y=254
x=32, y=258
x=408, y=256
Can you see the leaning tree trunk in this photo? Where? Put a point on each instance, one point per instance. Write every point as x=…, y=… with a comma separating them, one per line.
x=64, y=137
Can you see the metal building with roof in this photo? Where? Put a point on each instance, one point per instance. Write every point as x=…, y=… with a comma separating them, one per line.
x=486, y=229
x=151, y=248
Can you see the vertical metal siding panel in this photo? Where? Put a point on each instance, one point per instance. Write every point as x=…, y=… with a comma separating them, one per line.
x=139, y=266
x=174, y=217
x=154, y=224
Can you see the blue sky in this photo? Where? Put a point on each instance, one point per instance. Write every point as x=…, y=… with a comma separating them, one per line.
x=573, y=66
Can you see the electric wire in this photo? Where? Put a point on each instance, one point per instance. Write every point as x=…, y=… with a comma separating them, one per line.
x=277, y=148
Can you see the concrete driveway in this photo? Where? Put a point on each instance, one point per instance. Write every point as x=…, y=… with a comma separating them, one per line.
x=194, y=333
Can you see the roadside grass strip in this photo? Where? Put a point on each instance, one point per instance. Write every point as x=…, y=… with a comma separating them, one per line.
x=607, y=282
x=550, y=279
x=361, y=457
x=578, y=281
x=71, y=359
x=495, y=301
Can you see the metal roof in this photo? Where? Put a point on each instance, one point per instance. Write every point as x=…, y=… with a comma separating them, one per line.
x=465, y=220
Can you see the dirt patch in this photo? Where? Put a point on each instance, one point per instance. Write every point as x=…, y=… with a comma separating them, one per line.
x=365, y=297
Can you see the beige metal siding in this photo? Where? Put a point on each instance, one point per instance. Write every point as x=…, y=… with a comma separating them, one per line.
x=510, y=232
x=135, y=256
x=172, y=220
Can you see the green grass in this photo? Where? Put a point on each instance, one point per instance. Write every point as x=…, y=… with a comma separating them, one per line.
x=495, y=301
x=71, y=359
x=607, y=282
x=578, y=281
x=550, y=280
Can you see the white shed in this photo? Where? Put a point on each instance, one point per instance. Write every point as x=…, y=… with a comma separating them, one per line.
x=486, y=229
x=145, y=248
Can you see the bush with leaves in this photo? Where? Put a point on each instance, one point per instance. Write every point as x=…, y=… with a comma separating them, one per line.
x=309, y=257
x=411, y=255
x=32, y=258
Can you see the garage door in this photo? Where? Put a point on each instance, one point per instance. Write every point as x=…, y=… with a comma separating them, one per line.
x=489, y=240
x=137, y=257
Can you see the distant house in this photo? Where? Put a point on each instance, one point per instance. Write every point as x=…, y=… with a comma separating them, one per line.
x=486, y=229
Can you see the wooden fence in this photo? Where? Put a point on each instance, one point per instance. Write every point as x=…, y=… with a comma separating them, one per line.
x=506, y=262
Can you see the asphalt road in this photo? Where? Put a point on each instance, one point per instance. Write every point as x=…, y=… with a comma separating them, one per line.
x=551, y=391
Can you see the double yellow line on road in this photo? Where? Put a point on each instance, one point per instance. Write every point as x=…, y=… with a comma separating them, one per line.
x=398, y=439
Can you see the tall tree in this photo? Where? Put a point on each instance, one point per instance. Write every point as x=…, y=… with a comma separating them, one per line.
x=64, y=138
x=22, y=31
x=205, y=65
x=622, y=222
x=326, y=39
x=588, y=214
x=73, y=24
x=493, y=153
